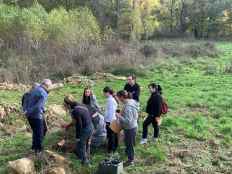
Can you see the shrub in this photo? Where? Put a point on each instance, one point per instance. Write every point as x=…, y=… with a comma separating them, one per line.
x=8, y=21
x=148, y=50
x=125, y=71
x=130, y=24
x=34, y=21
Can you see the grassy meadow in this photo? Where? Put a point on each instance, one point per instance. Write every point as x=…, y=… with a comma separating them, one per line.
x=196, y=134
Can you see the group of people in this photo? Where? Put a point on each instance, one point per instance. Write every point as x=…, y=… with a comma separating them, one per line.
x=93, y=126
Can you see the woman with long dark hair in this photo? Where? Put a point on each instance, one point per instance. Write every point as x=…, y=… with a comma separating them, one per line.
x=99, y=135
x=90, y=100
x=153, y=110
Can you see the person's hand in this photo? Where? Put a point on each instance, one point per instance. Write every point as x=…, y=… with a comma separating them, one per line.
x=118, y=115
x=158, y=120
x=64, y=126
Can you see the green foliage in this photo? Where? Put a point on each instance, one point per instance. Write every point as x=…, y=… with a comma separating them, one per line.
x=37, y=24
x=9, y=16
x=73, y=26
x=125, y=71
x=58, y=20
x=34, y=20
x=130, y=24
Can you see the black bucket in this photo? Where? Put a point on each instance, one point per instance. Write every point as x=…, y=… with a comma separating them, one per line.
x=110, y=167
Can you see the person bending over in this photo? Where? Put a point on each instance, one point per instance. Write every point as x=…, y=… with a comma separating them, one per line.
x=81, y=118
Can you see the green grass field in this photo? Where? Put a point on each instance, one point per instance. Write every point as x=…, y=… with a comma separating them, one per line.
x=196, y=135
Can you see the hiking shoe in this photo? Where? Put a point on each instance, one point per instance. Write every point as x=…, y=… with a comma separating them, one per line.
x=143, y=141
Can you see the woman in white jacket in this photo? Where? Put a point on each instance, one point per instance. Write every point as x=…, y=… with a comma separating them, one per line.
x=110, y=115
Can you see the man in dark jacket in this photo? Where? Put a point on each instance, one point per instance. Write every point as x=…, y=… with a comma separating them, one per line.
x=153, y=110
x=132, y=87
x=34, y=111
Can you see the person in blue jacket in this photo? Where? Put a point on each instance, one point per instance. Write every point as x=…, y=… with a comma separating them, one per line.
x=34, y=112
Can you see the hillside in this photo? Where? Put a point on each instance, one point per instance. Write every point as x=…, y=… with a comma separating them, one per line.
x=196, y=135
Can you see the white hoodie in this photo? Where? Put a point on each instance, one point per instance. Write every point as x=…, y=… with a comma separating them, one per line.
x=111, y=107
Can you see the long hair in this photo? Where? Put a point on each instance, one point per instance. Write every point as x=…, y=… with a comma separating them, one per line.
x=86, y=99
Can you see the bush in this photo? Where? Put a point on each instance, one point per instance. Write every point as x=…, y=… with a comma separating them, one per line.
x=130, y=24
x=125, y=71
x=34, y=21
x=148, y=50
x=73, y=27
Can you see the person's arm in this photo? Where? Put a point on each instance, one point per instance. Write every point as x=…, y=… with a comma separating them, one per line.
x=110, y=109
x=127, y=116
x=67, y=126
x=156, y=105
x=79, y=126
x=126, y=87
x=95, y=103
x=136, y=93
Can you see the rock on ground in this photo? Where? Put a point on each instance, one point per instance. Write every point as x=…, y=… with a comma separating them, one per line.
x=56, y=159
x=21, y=166
x=56, y=170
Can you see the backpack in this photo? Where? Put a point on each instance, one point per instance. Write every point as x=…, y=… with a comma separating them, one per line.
x=164, y=107
x=25, y=101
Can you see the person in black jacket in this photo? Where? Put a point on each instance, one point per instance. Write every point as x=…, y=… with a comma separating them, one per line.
x=132, y=87
x=153, y=110
x=84, y=128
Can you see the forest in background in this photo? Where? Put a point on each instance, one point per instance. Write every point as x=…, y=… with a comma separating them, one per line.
x=58, y=38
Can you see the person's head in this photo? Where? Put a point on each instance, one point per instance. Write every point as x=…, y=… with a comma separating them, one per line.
x=86, y=96
x=107, y=91
x=87, y=92
x=69, y=102
x=123, y=95
x=47, y=84
x=131, y=80
x=153, y=87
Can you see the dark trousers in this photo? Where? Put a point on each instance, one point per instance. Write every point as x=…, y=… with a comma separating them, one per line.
x=38, y=132
x=112, y=139
x=83, y=145
x=150, y=120
x=130, y=135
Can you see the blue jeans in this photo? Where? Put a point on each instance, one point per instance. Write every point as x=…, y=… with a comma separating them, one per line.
x=130, y=135
x=83, y=145
x=37, y=126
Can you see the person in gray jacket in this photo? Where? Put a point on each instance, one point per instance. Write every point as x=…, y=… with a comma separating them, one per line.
x=128, y=119
x=99, y=134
